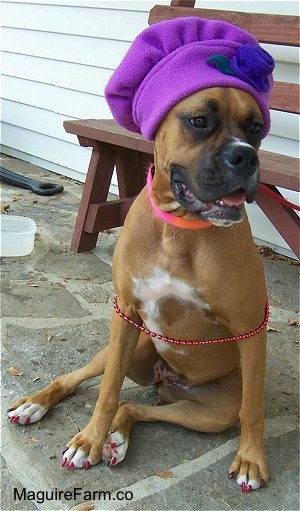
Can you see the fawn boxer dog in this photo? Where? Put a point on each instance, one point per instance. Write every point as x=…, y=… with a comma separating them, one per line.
x=191, y=305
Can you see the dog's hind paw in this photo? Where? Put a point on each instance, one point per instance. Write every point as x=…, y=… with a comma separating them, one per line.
x=26, y=413
x=114, y=449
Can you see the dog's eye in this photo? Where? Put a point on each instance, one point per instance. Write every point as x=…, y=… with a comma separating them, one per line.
x=199, y=122
x=256, y=128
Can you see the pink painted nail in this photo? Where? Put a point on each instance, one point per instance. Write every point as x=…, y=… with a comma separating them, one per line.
x=243, y=487
x=248, y=489
x=16, y=418
x=71, y=465
x=64, y=461
x=113, y=445
x=28, y=420
x=262, y=483
x=113, y=461
x=232, y=475
x=87, y=465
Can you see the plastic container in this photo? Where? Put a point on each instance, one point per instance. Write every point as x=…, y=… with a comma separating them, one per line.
x=17, y=235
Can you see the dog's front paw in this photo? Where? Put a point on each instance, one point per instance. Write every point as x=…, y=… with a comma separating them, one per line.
x=114, y=449
x=249, y=475
x=83, y=451
x=26, y=412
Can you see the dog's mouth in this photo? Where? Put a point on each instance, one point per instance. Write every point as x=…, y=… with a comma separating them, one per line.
x=225, y=210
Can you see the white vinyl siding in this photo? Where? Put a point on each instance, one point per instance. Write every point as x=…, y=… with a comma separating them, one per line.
x=57, y=57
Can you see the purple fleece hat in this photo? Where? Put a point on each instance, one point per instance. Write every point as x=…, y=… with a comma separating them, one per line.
x=173, y=59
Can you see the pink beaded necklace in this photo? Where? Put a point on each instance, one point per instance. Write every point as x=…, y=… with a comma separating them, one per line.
x=191, y=342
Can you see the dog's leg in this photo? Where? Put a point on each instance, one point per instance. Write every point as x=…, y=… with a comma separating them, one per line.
x=208, y=408
x=85, y=448
x=32, y=408
x=250, y=466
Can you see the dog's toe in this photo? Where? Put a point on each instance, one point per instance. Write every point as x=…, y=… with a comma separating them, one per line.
x=247, y=484
x=27, y=413
x=75, y=458
x=114, y=449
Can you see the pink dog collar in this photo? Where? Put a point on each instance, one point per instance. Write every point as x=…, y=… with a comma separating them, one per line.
x=176, y=221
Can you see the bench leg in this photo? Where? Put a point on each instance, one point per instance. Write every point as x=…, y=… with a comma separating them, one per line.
x=285, y=220
x=131, y=171
x=95, y=190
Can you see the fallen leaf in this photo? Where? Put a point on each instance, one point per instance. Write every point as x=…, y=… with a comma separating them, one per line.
x=293, y=322
x=268, y=252
x=165, y=474
x=287, y=466
x=35, y=440
x=38, y=425
x=49, y=337
x=14, y=371
x=288, y=392
x=5, y=209
x=271, y=329
x=36, y=378
x=33, y=285
x=85, y=507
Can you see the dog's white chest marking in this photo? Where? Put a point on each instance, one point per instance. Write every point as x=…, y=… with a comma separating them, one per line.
x=152, y=290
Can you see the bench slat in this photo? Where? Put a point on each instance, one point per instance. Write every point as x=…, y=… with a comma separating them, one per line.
x=107, y=131
x=279, y=170
x=285, y=97
x=267, y=28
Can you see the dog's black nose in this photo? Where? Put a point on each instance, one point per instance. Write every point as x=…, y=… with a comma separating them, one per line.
x=241, y=157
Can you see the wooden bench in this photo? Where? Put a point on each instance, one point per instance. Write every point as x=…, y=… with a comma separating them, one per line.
x=113, y=146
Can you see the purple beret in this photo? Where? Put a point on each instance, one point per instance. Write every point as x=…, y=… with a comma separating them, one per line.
x=170, y=60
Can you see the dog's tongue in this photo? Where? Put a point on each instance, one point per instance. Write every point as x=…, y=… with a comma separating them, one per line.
x=235, y=198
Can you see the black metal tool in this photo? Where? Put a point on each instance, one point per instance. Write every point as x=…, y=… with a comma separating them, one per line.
x=39, y=187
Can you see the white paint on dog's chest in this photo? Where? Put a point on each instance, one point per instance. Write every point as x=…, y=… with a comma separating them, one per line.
x=154, y=289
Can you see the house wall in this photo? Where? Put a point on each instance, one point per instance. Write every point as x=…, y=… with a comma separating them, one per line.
x=56, y=59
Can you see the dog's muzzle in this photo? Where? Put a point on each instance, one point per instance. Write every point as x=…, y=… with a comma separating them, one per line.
x=218, y=190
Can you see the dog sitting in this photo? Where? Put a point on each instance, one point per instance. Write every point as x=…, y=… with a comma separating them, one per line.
x=191, y=303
